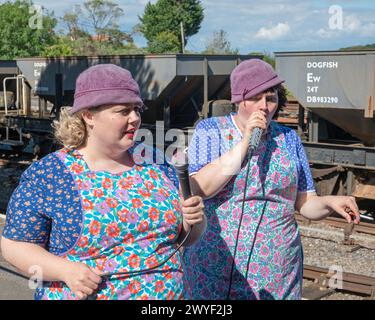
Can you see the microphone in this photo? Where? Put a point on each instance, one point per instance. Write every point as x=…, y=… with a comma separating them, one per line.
x=181, y=165
x=255, y=138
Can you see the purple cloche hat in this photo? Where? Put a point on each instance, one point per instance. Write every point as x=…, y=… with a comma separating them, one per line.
x=252, y=77
x=105, y=84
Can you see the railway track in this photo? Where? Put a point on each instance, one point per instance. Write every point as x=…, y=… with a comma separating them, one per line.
x=327, y=282
x=363, y=227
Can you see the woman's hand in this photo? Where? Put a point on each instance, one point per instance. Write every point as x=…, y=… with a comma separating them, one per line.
x=193, y=210
x=193, y=215
x=256, y=120
x=81, y=279
x=344, y=206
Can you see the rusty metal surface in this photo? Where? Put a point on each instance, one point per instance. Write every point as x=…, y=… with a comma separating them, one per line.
x=351, y=282
x=366, y=189
x=363, y=227
x=316, y=292
x=329, y=180
x=341, y=155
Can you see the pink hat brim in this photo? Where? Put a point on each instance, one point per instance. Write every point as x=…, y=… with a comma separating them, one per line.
x=236, y=97
x=104, y=97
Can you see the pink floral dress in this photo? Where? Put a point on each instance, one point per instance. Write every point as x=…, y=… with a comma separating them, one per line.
x=274, y=268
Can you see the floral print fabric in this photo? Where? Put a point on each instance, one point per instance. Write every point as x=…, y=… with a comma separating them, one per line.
x=128, y=222
x=272, y=269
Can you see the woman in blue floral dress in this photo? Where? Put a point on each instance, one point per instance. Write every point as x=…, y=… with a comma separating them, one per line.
x=257, y=253
x=101, y=205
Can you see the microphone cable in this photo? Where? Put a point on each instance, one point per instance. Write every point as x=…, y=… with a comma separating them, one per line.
x=254, y=142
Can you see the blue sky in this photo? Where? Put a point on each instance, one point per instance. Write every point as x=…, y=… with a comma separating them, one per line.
x=267, y=25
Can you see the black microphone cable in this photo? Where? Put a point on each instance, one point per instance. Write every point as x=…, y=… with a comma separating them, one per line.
x=254, y=143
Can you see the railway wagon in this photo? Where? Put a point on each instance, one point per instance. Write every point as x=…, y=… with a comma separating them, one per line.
x=178, y=90
x=337, y=89
x=8, y=69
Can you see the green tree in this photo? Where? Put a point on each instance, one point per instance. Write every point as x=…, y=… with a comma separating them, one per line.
x=267, y=57
x=94, y=29
x=71, y=20
x=104, y=15
x=164, y=42
x=20, y=36
x=219, y=44
x=363, y=47
x=166, y=16
x=62, y=48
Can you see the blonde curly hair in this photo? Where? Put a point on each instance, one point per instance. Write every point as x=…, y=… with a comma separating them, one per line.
x=70, y=131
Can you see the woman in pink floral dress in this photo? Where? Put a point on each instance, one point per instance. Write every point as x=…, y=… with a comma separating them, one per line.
x=257, y=253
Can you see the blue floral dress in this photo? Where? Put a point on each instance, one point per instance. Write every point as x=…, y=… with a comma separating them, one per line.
x=272, y=268
x=112, y=222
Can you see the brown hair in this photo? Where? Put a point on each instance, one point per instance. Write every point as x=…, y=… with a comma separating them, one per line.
x=282, y=99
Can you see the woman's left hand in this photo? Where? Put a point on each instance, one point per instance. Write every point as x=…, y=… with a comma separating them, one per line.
x=193, y=210
x=345, y=206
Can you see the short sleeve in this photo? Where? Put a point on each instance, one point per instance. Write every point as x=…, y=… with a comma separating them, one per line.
x=305, y=180
x=24, y=218
x=204, y=146
x=298, y=154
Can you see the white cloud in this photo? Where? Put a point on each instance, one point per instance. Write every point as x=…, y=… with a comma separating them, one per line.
x=144, y=2
x=273, y=33
x=326, y=33
x=352, y=23
x=352, y=26
x=368, y=30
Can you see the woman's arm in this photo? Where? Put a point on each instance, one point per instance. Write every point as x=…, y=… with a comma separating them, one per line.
x=80, y=278
x=213, y=177
x=24, y=255
x=314, y=207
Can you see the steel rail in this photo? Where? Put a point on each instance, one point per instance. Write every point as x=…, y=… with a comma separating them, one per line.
x=363, y=227
x=345, y=281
